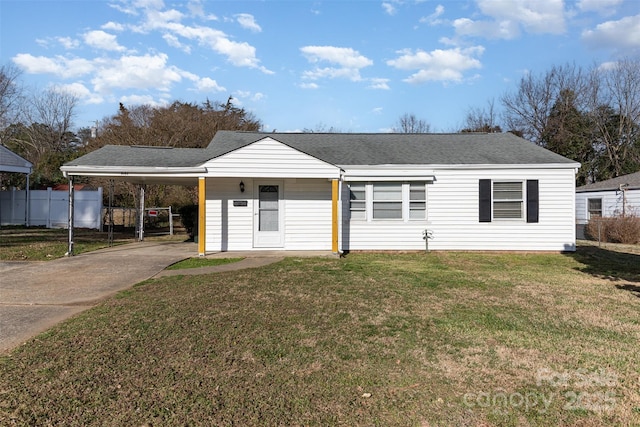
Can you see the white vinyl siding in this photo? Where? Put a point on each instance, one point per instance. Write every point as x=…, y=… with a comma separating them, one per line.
x=268, y=158
x=611, y=203
x=452, y=201
x=306, y=207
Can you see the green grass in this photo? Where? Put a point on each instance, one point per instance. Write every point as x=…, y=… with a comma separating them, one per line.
x=42, y=244
x=202, y=262
x=370, y=339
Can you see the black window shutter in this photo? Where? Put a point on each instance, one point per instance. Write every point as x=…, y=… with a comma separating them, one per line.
x=532, y=200
x=485, y=200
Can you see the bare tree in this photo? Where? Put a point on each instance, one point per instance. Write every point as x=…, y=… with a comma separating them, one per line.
x=409, y=123
x=50, y=117
x=11, y=97
x=482, y=119
x=614, y=108
x=527, y=110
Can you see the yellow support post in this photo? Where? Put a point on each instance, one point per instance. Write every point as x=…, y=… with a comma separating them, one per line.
x=202, y=214
x=334, y=215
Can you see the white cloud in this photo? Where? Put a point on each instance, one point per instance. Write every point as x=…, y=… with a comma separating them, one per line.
x=135, y=72
x=379, y=83
x=605, y=7
x=433, y=18
x=348, y=61
x=344, y=56
x=438, y=65
x=240, y=54
x=389, y=8
x=68, y=42
x=196, y=8
x=102, y=40
x=173, y=41
x=142, y=100
x=169, y=23
x=113, y=26
x=80, y=91
x=309, y=85
x=493, y=30
x=622, y=35
x=206, y=84
x=248, y=21
x=58, y=65
x=508, y=17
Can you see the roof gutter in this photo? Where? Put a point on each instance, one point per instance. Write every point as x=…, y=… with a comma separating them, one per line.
x=136, y=171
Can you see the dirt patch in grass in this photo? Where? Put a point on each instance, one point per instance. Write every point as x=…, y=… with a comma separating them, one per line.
x=371, y=339
x=202, y=262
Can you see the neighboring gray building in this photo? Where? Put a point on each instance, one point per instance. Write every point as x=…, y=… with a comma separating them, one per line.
x=612, y=197
x=345, y=192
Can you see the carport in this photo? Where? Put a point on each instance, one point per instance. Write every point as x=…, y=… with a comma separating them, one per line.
x=13, y=163
x=142, y=166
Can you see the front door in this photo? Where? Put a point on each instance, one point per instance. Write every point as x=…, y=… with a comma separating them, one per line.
x=268, y=225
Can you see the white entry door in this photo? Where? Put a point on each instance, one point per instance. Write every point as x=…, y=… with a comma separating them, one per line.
x=268, y=222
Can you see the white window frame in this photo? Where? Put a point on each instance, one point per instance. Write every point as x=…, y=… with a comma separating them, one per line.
x=521, y=200
x=589, y=207
x=399, y=200
x=405, y=200
x=421, y=185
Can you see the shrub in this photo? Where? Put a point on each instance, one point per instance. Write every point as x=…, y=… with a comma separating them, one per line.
x=615, y=229
x=189, y=218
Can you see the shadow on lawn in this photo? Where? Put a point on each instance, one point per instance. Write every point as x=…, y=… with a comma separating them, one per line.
x=612, y=265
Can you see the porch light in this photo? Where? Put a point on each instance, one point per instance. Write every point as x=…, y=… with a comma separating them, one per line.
x=241, y=187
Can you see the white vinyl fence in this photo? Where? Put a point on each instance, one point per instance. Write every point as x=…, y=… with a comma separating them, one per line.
x=50, y=208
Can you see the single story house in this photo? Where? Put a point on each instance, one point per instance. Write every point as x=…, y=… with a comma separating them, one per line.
x=351, y=192
x=612, y=197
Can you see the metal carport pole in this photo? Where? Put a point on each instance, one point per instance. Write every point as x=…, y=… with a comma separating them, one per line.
x=141, y=214
x=70, y=223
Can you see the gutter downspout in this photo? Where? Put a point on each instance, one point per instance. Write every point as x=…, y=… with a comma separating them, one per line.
x=28, y=200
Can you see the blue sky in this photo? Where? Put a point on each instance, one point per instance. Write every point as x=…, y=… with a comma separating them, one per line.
x=355, y=66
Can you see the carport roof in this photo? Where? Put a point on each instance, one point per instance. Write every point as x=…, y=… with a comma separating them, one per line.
x=11, y=162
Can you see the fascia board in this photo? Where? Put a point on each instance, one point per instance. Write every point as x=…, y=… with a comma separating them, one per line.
x=434, y=167
x=131, y=171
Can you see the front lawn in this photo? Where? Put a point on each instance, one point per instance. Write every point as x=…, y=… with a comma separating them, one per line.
x=370, y=339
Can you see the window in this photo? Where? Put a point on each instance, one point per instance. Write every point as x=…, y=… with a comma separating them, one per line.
x=500, y=200
x=417, y=200
x=507, y=200
x=594, y=207
x=387, y=201
x=358, y=203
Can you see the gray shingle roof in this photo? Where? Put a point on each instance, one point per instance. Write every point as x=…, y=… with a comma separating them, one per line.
x=631, y=180
x=343, y=149
x=11, y=162
x=396, y=148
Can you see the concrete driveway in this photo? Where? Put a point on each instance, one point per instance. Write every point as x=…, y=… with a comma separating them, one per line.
x=36, y=295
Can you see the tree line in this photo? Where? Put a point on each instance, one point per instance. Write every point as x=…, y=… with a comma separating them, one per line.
x=591, y=115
